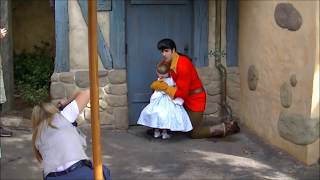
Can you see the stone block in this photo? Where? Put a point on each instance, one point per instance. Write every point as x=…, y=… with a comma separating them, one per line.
x=106, y=118
x=253, y=78
x=298, y=129
x=67, y=77
x=103, y=104
x=121, y=118
x=211, y=108
x=293, y=80
x=232, y=70
x=103, y=81
x=57, y=91
x=70, y=89
x=205, y=81
x=109, y=109
x=286, y=95
x=102, y=73
x=115, y=100
x=13, y=120
x=116, y=89
x=214, y=99
x=117, y=76
x=213, y=88
x=55, y=77
x=287, y=16
x=82, y=79
x=208, y=74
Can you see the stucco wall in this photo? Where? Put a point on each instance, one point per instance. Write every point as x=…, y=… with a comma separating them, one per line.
x=32, y=22
x=278, y=55
x=79, y=36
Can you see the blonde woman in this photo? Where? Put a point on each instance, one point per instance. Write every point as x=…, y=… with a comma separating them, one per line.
x=59, y=145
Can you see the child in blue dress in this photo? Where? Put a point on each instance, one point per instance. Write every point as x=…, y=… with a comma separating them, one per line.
x=164, y=113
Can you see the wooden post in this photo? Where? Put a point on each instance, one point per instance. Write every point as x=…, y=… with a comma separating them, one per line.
x=94, y=89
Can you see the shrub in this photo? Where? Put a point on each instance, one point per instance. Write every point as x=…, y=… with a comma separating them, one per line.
x=32, y=72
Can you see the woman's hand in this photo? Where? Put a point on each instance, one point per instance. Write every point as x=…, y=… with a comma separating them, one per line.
x=3, y=32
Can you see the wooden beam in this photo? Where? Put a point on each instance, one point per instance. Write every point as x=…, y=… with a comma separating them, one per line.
x=117, y=34
x=94, y=89
x=62, y=63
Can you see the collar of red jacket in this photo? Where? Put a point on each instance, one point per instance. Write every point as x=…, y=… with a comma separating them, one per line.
x=174, y=62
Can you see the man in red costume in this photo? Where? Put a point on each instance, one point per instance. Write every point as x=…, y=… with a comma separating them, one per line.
x=189, y=88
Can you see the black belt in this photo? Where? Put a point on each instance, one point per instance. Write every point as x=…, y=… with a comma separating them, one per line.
x=75, y=166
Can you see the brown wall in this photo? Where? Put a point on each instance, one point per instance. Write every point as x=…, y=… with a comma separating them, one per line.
x=277, y=54
x=32, y=22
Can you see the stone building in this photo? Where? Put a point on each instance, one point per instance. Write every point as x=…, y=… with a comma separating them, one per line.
x=270, y=50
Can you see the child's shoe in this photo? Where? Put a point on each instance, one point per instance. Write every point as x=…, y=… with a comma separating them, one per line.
x=165, y=136
x=156, y=134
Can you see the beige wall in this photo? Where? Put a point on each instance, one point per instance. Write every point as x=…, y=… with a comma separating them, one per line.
x=32, y=22
x=313, y=150
x=277, y=54
x=79, y=36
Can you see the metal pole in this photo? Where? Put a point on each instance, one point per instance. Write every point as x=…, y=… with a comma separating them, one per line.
x=94, y=91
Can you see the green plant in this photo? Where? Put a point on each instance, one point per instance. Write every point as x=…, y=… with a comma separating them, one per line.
x=32, y=71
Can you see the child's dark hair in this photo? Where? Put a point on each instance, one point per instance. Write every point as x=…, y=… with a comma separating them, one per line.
x=166, y=44
x=163, y=68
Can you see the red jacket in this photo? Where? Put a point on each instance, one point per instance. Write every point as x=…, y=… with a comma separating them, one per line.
x=186, y=78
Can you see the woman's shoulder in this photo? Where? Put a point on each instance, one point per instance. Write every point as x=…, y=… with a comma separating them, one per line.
x=60, y=121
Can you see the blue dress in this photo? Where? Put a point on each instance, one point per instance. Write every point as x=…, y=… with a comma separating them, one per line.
x=165, y=113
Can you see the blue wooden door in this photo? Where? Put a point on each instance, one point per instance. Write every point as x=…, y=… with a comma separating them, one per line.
x=148, y=21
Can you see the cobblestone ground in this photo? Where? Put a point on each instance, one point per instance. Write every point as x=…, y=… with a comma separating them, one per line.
x=135, y=155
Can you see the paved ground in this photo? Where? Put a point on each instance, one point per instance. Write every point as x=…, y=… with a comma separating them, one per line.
x=136, y=156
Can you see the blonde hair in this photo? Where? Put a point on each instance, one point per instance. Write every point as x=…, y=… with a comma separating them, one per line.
x=163, y=67
x=42, y=115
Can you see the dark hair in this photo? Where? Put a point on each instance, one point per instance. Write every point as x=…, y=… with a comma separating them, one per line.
x=169, y=44
x=166, y=44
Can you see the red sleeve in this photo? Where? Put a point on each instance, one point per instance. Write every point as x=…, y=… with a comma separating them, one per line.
x=183, y=80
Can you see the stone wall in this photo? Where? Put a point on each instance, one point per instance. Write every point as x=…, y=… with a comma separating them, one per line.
x=211, y=80
x=112, y=94
x=210, y=75
x=278, y=53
